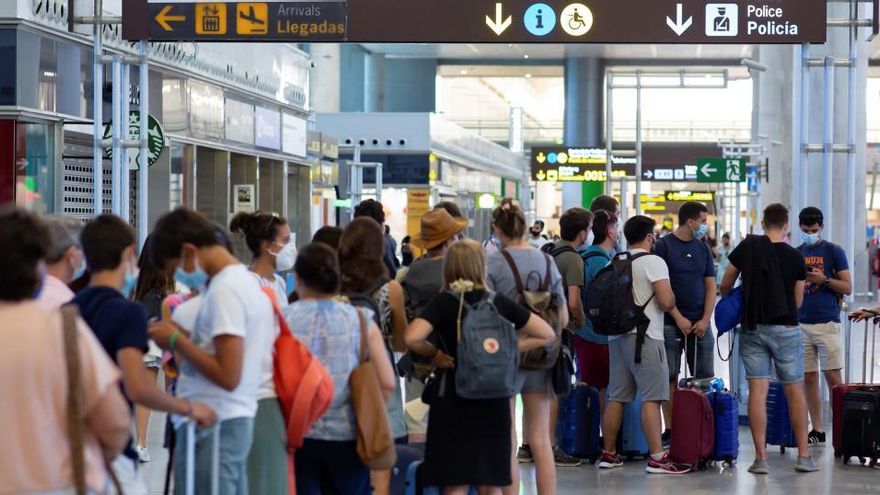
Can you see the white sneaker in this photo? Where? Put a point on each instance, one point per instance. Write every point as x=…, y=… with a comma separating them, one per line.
x=143, y=454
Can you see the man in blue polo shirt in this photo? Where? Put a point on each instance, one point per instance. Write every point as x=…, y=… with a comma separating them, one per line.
x=828, y=279
x=692, y=275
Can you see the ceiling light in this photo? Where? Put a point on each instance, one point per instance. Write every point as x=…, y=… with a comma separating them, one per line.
x=526, y=55
x=463, y=72
x=528, y=76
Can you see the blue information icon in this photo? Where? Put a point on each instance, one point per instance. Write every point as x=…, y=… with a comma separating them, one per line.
x=540, y=19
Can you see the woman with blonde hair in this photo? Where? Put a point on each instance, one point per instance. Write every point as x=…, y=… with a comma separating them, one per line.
x=468, y=441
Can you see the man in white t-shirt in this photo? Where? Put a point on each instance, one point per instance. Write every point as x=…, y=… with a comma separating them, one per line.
x=223, y=353
x=651, y=288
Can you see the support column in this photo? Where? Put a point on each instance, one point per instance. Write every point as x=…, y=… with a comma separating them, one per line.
x=374, y=82
x=584, y=97
x=325, y=77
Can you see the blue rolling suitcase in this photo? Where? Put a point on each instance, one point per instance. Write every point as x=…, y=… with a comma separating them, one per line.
x=407, y=457
x=779, y=430
x=631, y=442
x=414, y=485
x=577, y=429
x=726, y=410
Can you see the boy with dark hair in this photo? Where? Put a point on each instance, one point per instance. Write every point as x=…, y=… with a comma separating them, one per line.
x=591, y=348
x=374, y=209
x=224, y=353
x=828, y=280
x=121, y=327
x=773, y=276
x=687, y=327
x=651, y=288
x=606, y=203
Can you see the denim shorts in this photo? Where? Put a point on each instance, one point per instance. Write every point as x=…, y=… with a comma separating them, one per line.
x=784, y=346
x=676, y=344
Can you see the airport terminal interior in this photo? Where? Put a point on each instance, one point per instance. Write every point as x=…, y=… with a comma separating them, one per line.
x=304, y=109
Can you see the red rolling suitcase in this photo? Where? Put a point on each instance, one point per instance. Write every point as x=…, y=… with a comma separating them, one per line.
x=693, y=427
x=840, y=391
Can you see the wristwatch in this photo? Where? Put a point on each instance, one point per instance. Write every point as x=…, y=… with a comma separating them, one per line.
x=826, y=283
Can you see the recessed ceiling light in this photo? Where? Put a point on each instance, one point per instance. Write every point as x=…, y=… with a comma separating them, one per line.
x=463, y=72
x=526, y=55
x=528, y=76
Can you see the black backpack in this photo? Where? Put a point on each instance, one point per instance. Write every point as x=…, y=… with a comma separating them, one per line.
x=553, y=250
x=611, y=306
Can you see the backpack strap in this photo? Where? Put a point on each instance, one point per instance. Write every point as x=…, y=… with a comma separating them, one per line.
x=557, y=250
x=546, y=284
x=362, y=320
x=282, y=323
x=75, y=432
x=516, y=278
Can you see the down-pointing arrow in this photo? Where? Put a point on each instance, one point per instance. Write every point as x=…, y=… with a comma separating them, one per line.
x=679, y=26
x=499, y=25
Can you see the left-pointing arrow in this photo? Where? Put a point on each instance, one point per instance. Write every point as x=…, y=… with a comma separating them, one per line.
x=164, y=17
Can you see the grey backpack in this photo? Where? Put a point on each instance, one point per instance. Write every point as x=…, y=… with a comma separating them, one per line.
x=486, y=361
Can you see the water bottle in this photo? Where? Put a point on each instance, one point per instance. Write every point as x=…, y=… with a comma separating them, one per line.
x=716, y=385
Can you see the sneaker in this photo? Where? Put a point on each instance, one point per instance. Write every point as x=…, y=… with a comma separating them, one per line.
x=759, y=467
x=806, y=465
x=609, y=461
x=524, y=455
x=666, y=466
x=666, y=438
x=143, y=454
x=564, y=460
x=816, y=437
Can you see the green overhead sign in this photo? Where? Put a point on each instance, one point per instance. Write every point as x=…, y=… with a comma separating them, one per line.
x=721, y=170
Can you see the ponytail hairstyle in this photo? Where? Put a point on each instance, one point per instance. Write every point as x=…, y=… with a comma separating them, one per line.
x=510, y=219
x=317, y=267
x=256, y=228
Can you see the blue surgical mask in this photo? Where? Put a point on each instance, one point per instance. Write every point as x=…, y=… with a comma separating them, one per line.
x=701, y=231
x=80, y=270
x=131, y=279
x=810, y=239
x=196, y=280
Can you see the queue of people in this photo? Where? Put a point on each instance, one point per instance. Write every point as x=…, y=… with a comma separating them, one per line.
x=348, y=304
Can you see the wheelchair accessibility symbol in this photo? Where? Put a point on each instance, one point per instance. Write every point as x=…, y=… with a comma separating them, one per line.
x=576, y=19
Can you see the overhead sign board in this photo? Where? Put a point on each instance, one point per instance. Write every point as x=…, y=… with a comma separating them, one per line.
x=195, y=20
x=481, y=21
x=573, y=164
x=588, y=21
x=661, y=162
x=721, y=170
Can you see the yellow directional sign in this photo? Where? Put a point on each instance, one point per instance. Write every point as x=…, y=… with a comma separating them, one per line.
x=164, y=17
x=211, y=18
x=252, y=18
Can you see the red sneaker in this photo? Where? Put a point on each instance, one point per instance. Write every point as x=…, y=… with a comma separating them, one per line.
x=609, y=461
x=666, y=466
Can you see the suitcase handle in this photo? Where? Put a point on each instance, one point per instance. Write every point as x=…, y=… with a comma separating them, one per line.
x=191, y=455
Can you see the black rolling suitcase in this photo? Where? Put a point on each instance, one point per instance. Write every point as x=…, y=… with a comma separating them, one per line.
x=860, y=428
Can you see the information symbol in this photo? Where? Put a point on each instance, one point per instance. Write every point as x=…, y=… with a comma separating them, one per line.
x=539, y=19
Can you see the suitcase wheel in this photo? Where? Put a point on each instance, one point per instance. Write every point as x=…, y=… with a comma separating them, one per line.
x=593, y=459
x=872, y=462
x=782, y=449
x=837, y=454
x=845, y=460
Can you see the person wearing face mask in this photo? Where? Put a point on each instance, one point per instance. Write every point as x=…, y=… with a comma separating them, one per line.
x=224, y=353
x=692, y=275
x=723, y=250
x=269, y=240
x=773, y=279
x=64, y=260
x=828, y=280
x=121, y=327
x=591, y=348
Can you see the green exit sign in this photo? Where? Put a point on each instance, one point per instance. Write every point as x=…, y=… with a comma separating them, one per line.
x=721, y=170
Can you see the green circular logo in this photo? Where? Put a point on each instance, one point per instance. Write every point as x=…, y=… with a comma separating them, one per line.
x=155, y=139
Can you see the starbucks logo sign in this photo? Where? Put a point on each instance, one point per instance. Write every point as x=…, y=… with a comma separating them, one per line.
x=155, y=139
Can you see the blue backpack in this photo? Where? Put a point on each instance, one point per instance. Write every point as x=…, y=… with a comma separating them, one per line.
x=486, y=361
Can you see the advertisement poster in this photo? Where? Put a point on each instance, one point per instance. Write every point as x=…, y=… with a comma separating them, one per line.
x=244, y=198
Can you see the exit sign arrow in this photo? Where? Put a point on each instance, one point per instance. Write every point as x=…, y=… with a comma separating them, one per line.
x=708, y=170
x=679, y=26
x=499, y=24
x=164, y=17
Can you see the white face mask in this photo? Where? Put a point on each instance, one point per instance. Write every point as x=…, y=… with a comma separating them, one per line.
x=285, y=258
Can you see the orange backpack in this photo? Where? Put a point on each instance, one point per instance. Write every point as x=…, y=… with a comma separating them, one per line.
x=303, y=385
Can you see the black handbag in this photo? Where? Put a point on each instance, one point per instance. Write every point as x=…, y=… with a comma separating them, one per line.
x=563, y=371
x=435, y=386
